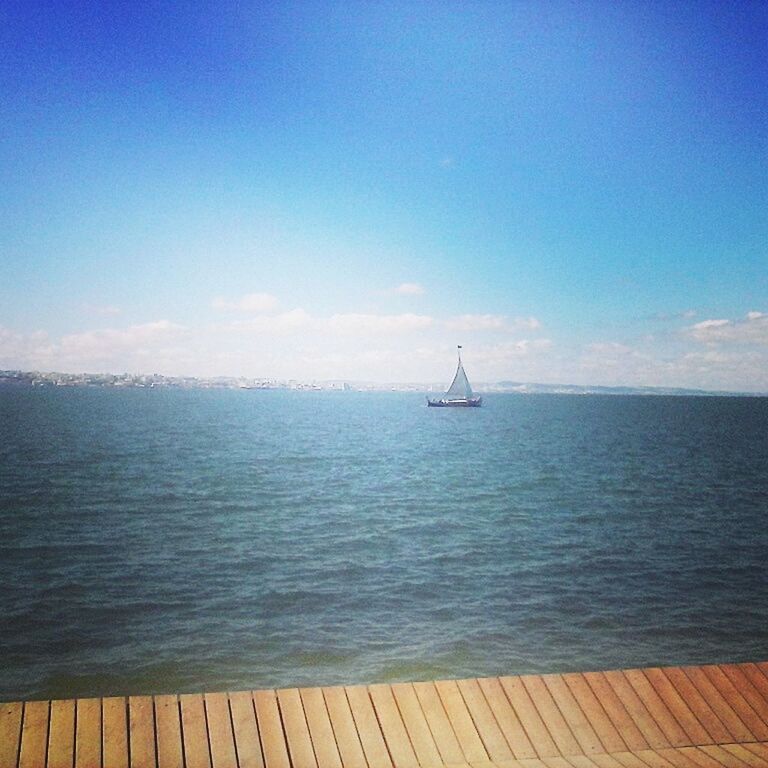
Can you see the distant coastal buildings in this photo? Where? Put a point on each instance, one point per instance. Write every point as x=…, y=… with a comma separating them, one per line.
x=158, y=381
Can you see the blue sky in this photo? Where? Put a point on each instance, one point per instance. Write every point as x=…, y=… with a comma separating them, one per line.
x=577, y=192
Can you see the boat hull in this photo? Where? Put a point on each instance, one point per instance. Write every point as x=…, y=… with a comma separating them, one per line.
x=463, y=402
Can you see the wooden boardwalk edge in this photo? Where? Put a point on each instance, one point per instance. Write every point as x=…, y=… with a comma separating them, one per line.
x=713, y=716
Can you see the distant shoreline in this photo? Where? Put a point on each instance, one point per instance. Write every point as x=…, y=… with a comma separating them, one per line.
x=38, y=379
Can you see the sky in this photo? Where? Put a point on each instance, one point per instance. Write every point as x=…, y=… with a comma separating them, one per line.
x=576, y=192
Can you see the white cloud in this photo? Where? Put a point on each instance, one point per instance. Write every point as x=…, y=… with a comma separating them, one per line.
x=352, y=323
x=141, y=340
x=255, y=303
x=24, y=350
x=141, y=348
x=410, y=289
x=491, y=323
x=284, y=322
x=753, y=329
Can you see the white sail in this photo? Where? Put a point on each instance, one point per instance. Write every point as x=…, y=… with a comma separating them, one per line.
x=460, y=385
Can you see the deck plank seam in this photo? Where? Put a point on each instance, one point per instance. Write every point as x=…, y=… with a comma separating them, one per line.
x=309, y=730
x=411, y=742
x=330, y=724
x=381, y=727
x=740, y=693
x=400, y=713
x=486, y=745
x=650, y=714
x=336, y=726
x=20, y=732
x=127, y=714
x=730, y=670
x=543, y=719
x=732, y=704
x=284, y=728
x=715, y=756
x=617, y=702
x=654, y=715
x=727, y=709
x=232, y=729
x=688, y=706
x=691, y=741
x=498, y=722
x=547, y=680
x=474, y=722
x=517, y=716
x=604, y=711
x=707, y=705
x=357, y=729
x=74, y=735
x=447, y=720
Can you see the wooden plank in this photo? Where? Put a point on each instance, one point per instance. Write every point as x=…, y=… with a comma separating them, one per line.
x=550, y=714
x=271, y=730
x=61, y=734
x=395, y=733
x=757, y=698
x=170, y=751
x=605, y=761
x=505, y=716
x=296, y=729
x=439, y=724
x=320, y=728
x=737, y=701
x=695, y=731
x=461, y=721
x=194, y=731
x=371, y=738
x=10, y=733
x=746, y=755
x=702, y=759
x=529, y=762
x=636, y=710
x=756, y=677
x=34, y=734
x=666, y=758
x=759, y=749
x=488, y=729
x=529, y=717
x=556, y=762
x=630, y=759
x=141, y=731
x=114, y=717
x=576, y=719
x=606, y=731
x=719, y=705
x=616, y=711
x=697, y=704
x=220, y=737
x=728, y=758
x=88, y=734
x=344, y=730
x=674, y=734
x=416, y=724
x=582, y=761
x=246, y=730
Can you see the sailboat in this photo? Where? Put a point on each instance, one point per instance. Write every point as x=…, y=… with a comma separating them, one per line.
x=459, y=394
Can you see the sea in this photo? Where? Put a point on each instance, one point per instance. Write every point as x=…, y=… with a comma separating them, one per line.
x=197, y=540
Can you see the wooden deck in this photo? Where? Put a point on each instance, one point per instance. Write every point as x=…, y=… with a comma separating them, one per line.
x=692, y=717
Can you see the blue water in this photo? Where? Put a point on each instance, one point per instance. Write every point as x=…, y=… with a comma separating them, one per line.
x=155, y=541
